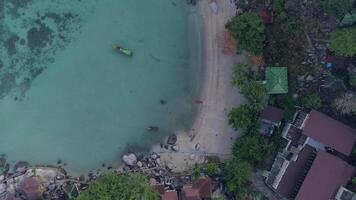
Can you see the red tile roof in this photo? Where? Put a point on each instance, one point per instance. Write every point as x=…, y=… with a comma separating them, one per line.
x=294, y=172
x=324, y=178
x=170, y=195
x=201, y=188
x=330, y=132
x=272, y=114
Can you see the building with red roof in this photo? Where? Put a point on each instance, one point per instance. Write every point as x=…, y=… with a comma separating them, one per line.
x=330, y=132
x=200, y=189
x=313, y=166
x=325, y=177
x=270, y=118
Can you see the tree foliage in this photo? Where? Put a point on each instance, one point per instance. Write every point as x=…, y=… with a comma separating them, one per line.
x=352, y=80
x=237, y=175
x=241, y=117
x=251, y=148
x=346, y=104
x=287, y=23
x=248, y=29
x=256, y=94
x=338, y=7
x=240, y=76
x=212, y=168
x=311, y=101
x=113, y=187
x=343, y=42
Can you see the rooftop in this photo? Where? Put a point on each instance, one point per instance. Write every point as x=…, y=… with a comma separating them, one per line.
x=330, y=132
x=272, y=114
x=324, y=178
x=277, y=80
x=295, y=173
x=200, y=189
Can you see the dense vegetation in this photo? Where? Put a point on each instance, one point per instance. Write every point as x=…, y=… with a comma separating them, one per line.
x=248, y=29
x=338, y=7
x=343, y=42
x=113, y=187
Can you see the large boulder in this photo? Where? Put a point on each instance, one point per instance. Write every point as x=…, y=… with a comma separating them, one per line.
x=129, y=159
x=175, y=147
x=172, y=139
x=21, y=166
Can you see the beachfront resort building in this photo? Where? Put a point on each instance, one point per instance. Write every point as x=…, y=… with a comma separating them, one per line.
x=314, y=165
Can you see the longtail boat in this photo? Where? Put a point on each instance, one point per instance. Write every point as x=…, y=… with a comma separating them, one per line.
x=123, y=50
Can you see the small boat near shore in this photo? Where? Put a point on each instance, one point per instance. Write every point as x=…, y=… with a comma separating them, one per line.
x=152, y=128
x=123, y=50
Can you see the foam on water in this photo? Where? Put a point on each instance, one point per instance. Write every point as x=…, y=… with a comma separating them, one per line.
x=65, y=94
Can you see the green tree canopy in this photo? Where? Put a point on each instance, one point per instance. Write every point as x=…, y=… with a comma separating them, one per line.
x=338, y=7
x=241, y=117
x=343, y=42
x=237, y=175
x=113, y=187
x=256, y=94
x=248, y=29
x=240, y=76
x=251, y=148
x=311, y=101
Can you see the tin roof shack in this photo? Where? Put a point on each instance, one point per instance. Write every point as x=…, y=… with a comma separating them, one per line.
x=277, y=80
x=270, y=118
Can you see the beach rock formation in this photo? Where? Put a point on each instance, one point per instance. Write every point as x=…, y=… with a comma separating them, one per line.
x=175, y=147
x=129, y=159
x=172, y=139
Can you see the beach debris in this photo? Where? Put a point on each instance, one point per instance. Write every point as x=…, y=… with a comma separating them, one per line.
x=192, y=156
x=21, y=166
x=172, y=139
x=197, y=101
x=153, y=128
x=197, y=146
x=214, y=7
x=129, y=159
x=175, y=147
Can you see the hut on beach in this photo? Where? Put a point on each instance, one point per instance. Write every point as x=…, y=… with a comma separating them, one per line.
x=277, y=80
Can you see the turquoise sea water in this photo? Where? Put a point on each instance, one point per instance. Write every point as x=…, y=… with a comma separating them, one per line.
x=65, y=94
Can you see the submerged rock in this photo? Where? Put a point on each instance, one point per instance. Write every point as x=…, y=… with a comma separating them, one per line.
x=172, y=139
x=21, y=166
x=129, y=159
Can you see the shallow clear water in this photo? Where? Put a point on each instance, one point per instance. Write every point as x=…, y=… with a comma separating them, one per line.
x=65, y=94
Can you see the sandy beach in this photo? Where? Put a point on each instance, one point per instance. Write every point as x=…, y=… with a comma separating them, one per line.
x=210, y=133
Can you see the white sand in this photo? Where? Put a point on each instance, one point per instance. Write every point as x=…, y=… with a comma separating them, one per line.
x=210, y=129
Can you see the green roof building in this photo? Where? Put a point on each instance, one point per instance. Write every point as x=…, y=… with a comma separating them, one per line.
x=349, y=18
x=277, y=80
